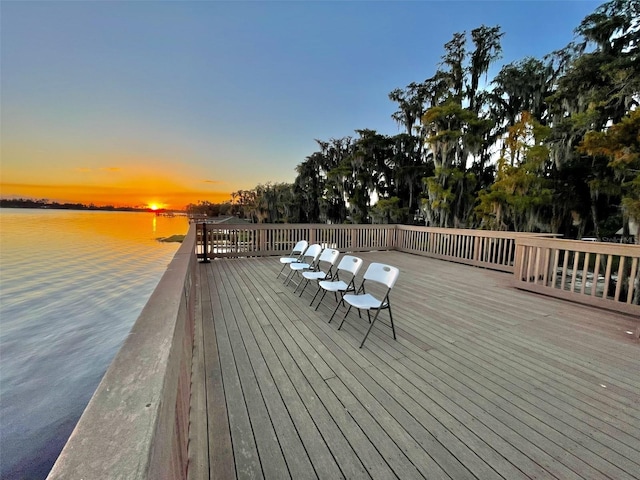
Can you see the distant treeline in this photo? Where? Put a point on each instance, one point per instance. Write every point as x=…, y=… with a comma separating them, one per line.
x=29, y=203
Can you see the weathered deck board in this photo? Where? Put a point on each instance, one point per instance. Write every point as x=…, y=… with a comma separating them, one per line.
x=295, y=432
x=198, y=422
x=484, y=381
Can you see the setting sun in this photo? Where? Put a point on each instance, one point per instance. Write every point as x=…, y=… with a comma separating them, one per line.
x=153, y=206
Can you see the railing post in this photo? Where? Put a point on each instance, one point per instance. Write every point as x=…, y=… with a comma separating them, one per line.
x=517, y=261
x=205, y=247
x=392, y=241
x=476, y=248
x=312, y=234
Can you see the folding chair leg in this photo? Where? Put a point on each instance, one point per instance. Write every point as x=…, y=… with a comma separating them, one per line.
x=304, y=286
x=323, y=294
x=314, y=297
x=393, y=329
x=370, y=327
x=291, y=279
x=341, y=299
x=288, y=278
x=281, y=270
x=334, y=312
x=345, y=317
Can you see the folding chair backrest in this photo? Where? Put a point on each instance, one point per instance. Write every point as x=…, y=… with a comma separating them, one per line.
x=329, y=255
x=350, y=264
x=299, y=248
x=312, y=253
x=381, y=273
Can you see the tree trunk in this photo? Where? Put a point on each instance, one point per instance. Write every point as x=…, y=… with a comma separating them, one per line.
x=594, y=218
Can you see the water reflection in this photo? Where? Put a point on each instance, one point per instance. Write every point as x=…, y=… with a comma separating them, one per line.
x=72, y=285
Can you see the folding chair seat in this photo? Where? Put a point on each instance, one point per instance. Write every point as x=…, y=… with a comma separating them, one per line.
x=307, y=262
x=328, y=258
x=295, y=255
x=379, y=273
x=347, y=268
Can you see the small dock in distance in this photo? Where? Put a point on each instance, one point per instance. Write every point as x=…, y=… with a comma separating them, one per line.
x=484, y=381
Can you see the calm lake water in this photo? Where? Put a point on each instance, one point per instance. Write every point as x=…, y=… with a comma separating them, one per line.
x=72, y=283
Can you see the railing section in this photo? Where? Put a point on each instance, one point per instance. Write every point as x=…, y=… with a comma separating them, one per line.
x=136, y=425
x=595, y=273
x=481, y=248
x=279, y=239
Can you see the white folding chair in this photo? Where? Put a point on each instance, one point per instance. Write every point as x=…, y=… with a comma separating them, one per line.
x=348, y=267
x=294, y=256
x=307, y=262
x=380, y=273
x=328, y=258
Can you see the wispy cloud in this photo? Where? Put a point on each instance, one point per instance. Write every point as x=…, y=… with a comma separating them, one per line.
x=111, y=169
x=217, y=182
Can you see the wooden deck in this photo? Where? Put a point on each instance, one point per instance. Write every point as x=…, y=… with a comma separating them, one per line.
x=484, y=381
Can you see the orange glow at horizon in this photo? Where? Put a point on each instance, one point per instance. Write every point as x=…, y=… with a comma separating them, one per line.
x=141, y=183
x=143, y=196
x=118, y=179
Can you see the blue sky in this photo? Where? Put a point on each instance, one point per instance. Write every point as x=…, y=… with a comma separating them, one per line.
x=217, y=96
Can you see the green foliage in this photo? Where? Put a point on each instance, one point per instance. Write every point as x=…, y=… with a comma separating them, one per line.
x=521, y=193
x=620, y=145
x=552, y=145
x=388, y=210
x=210, y=209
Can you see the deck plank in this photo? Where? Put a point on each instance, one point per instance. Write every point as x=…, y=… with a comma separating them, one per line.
x=198, y=466
x=484, y=381
x=268, y=443
x=245, y=450
x=300, y=439
x=221, y=458
x=289, y=343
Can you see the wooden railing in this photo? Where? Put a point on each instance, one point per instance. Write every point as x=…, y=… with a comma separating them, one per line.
x=257, y=240
x=136, y=425
x=481, y=248
x=594, y=273
x=540, y=262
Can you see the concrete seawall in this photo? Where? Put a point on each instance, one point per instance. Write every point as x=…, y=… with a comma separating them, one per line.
x=136, y=424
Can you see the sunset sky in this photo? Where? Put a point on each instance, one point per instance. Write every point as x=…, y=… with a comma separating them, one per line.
x=134, y=103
